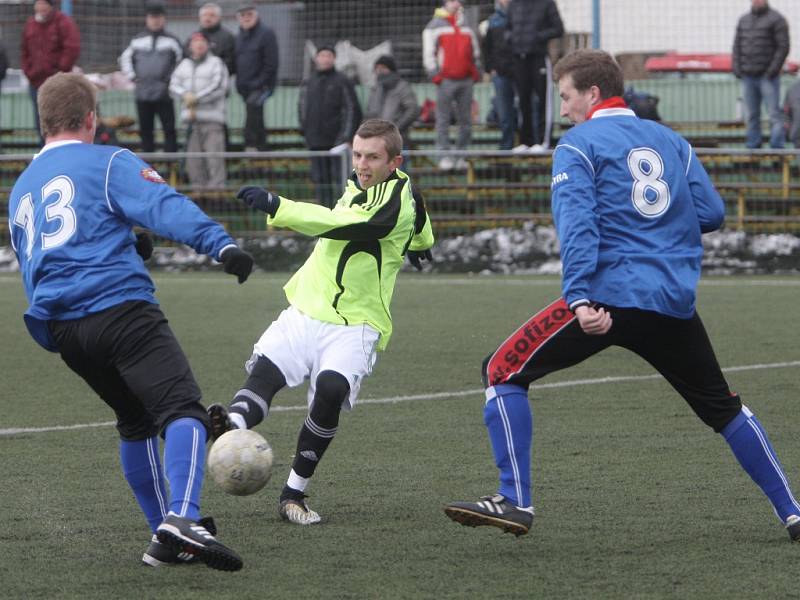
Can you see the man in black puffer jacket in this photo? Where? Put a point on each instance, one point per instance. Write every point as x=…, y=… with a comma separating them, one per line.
x=759, y=50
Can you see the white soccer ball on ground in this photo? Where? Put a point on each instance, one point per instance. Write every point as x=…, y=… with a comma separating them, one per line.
x=240, y=462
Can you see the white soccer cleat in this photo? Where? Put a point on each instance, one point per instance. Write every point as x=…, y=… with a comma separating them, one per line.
x=297, y=512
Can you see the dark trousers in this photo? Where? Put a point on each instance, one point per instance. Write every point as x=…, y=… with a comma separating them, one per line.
x=147, y=111
x=34, y=93
x=530, y=81
x=679, y=349
x=129, y=356
x=325, y=175
x=255, y=134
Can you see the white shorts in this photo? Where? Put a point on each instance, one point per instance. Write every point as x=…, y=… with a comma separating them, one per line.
x=302, y=347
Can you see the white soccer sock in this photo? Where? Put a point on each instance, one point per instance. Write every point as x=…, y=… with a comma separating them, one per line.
x=237, y=420
x=296, y=482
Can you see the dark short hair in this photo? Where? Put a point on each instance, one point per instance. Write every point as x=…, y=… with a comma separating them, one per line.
x=592, y=67
x=155, y=8
x=64, y=100
x=383, y=129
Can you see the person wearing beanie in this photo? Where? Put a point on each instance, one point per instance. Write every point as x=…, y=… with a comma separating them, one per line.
x=51, y=44
x=149, y=61
x=392, y=98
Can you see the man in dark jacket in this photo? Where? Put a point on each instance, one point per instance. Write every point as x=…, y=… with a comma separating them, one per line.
x=220, y=41
x=759, y=49
x=499, y=64
x=329, y=114
x=50, y=43
x=256, y=72
x=531, y=24
x=149, y=61
x=392, y=98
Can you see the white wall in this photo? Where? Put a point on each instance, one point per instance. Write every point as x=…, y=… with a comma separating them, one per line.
x=697, y=26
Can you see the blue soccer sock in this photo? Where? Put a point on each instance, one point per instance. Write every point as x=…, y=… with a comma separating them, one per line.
x=509, y=419
x=141, y=465
x=184, y=458
x=750, y=445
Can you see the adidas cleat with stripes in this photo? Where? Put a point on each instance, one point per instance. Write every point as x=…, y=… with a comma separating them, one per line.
x=161, y=555
x=295, y=510
x=183, y=535
x=793, y=528
x=494, y=510
x=220, y=421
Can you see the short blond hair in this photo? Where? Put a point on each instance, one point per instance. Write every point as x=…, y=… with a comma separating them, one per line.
x=64, y=101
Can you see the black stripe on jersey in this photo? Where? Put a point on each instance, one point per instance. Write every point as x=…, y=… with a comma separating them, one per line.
x=422, y=211
x=371, y=247
x=379, y=225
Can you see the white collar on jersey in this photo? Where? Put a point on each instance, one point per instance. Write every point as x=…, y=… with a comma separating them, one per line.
x=52, y=145
x=613, y=112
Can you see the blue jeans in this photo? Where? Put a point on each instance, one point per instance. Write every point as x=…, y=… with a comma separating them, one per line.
x=757, y=90
x=506, y=110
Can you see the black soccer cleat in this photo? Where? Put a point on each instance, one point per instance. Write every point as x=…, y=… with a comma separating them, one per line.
x=492, y=510
x=220, y=421
x=186, y=536
x=161, y=555
x=793, y=528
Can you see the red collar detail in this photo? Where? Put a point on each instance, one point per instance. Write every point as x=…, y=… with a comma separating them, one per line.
x=613, y=102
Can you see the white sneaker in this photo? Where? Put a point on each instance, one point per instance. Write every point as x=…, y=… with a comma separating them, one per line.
x=446, y=163
x=297, y=512
x=793, y=528
x=537, y=149
x=461, y=163
x=521, y=149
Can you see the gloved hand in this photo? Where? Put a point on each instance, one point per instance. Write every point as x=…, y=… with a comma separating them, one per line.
x=257, y=197
x=237, y=262
x=144, y=245
x=415, y=257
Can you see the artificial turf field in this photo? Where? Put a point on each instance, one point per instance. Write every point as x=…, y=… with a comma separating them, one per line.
x=635, y=497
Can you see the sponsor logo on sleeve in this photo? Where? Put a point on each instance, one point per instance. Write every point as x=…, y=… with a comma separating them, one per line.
x=150, y=174
x=559, y=178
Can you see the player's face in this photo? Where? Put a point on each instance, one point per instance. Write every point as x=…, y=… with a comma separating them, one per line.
x=575, y=104
x=372, y=162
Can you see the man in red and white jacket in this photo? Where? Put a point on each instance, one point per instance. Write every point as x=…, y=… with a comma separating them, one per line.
x=451, y=56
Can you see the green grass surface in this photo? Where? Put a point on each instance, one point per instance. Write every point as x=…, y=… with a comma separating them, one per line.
x=635, y=498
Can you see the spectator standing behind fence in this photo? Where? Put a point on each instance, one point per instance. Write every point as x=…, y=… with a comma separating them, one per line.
x=531, y=24
x=392, y=98
x=791, y=107
x=149, y=61
x=51, y=43
x=451, y=56
x=221, y=42
x=257, y=62
x=329, y=114
x=760, y=46
x=499, y=61
x=201, y=82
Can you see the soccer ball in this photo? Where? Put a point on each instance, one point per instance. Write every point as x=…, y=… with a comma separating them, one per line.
x=240, y=462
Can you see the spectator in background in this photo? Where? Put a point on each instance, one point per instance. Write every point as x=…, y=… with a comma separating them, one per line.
x=221, y=42
x=499, y=61
x=149, y=61
x=201, y=82
x=451, y=56
x=329, y=114
x=760, y=46
x=3, y=63
x=531, y=24
x=51, y=44
x=392, y=98
x=257, y=62
x=791, y=107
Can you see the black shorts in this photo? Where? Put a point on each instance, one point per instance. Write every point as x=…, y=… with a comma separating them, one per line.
x=679, y=349
x=131, y=359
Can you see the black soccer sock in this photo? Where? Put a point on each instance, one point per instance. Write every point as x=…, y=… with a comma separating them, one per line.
x=252, y=402
x=321, y=423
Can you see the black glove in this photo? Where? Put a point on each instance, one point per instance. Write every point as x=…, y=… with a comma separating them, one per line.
x=258, y=197
x=416, y=256
x=144, y=245
x=237, y=262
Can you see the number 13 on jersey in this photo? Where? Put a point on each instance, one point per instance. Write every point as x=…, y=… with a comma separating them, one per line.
x=59, y=211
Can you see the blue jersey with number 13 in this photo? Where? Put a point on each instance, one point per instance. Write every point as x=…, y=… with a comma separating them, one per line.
x=71, y=214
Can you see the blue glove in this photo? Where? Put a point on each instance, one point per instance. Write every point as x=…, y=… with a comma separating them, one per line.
x=259, y=198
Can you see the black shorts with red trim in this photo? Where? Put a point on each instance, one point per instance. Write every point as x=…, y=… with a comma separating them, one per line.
x=679, y=349
x=131, y=359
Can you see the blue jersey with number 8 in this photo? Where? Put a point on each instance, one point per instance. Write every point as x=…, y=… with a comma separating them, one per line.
x=71, y=214
x=630, y=199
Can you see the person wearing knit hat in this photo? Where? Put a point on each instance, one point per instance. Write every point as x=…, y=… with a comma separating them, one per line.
x=392, y=98
x=50, y=43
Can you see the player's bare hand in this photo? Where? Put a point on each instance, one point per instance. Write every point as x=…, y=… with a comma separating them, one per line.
x=593, y=321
